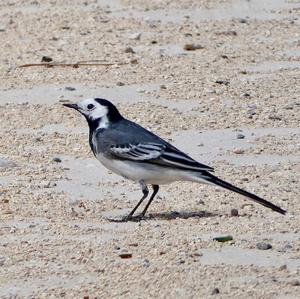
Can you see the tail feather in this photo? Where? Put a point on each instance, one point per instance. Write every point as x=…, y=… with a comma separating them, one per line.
x=215, y=180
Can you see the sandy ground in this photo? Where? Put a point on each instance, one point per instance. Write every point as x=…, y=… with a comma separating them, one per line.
x=55, y=198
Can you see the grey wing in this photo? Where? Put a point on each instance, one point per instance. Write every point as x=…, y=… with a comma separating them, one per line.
x=157, y=153
x=139, y=151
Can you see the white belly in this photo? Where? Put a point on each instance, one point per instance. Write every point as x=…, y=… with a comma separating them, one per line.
x=149, y=173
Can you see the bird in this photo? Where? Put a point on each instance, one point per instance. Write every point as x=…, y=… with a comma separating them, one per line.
x=135, y=153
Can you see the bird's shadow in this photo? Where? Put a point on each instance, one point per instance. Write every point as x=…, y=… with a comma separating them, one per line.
x=179, y=214
x=165, y=216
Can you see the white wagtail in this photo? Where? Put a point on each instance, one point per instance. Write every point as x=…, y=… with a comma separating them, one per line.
x=135, y=153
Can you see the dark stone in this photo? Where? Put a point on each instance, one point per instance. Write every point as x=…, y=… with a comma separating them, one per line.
x=234, y=212
x=263, y=246
x=56, y=159
x=224, y=82
x=70, y=88
x=46, y=59
x=243, y=21
x=215, y=291
x=129, y=50
x=240, y=136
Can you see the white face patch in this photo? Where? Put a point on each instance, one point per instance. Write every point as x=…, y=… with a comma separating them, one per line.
x=93, y=110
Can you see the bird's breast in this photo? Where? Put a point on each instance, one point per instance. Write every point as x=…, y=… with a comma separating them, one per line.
x=136, y=171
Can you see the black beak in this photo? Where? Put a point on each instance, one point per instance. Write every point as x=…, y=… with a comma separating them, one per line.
x=74, y=106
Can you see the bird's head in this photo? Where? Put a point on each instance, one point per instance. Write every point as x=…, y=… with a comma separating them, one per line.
x=98, y=112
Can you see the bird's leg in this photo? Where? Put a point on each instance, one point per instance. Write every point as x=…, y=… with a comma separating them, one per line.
x=145, y=192
x=155, y=190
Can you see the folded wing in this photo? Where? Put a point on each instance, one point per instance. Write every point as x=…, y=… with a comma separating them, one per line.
x=157, y=153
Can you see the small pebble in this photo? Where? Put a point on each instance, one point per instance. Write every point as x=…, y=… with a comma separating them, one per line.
x=70, y=88
x=215, y=291
x=294, y=282
x=252, y=106
x=224, y=82
x=135, y=36
x=146, y=263
x=263, y=246
x=243, y=21
x=238, y=151
x=125, y=255
x=129, y=50
x=285, y=248
x=228, y=33
x=192, y=47
x=211, y=90
x=223, y=238
x=56, y=159
x=46, y=59
x=134, y=61
x=275, y=117
x=234, y=212
x=283, y=267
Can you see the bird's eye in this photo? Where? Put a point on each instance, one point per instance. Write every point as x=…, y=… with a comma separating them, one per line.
x=90, y=106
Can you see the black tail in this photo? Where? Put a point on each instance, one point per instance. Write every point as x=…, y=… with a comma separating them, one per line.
x=215, y=180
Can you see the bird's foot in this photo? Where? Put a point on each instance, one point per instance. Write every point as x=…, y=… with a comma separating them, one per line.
x=128, y=218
